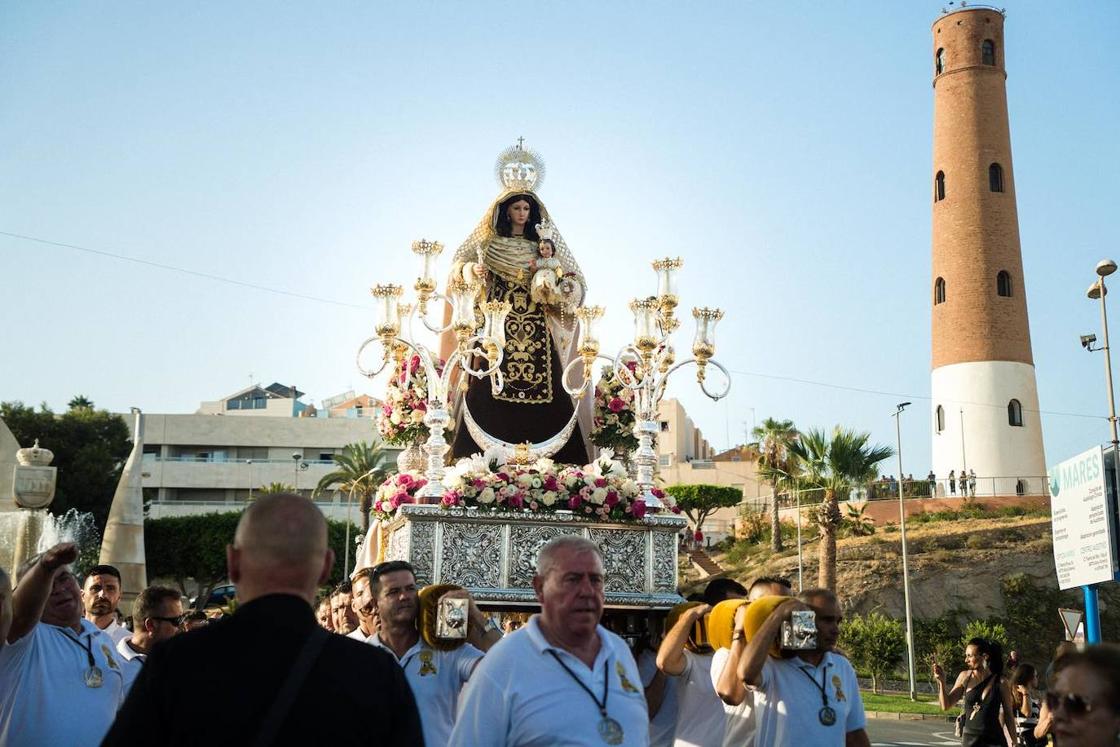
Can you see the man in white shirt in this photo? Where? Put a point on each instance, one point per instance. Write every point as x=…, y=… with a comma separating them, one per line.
x=157, y=614
x=563, y=679
x=60, y=680
x=101, y=593
x=812, y=698
x=363, y=604
x=661, y=697
x=700, y=716
x=738, y=701
x=342, y=614
x=435, y=676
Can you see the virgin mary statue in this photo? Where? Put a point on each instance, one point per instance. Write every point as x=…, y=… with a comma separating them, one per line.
x=501, y=255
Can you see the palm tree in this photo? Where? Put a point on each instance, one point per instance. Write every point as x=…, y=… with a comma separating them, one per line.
x=836, y=462
x=275, y=488
x=775, y=461
x=360, y=469
x=80, y=402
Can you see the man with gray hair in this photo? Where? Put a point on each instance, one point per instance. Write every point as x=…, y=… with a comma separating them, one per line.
x=268, y=673
x=563, y=677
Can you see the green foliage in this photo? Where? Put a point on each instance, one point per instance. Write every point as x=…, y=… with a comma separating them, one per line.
x=857, y=523
x=699, y=501
x=989, y=630
x=274, y=488
x=359, y=470
x=90, y=448
x=875, y=643
x=938, y=640
x=193, y=548
x=776, y=464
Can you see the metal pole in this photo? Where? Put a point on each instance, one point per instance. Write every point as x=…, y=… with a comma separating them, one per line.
x=905, y=564
x=797, y=494
x=1092, y=611
x=964, y=459
x=346, y=552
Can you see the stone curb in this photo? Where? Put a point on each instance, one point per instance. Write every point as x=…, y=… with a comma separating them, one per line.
x=892, y=716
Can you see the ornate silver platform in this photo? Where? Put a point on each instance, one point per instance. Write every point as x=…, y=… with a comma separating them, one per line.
x=493, y=553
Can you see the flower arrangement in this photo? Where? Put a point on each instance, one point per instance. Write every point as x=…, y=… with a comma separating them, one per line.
x=398, y=489
x=613, y=424
x=600, y=490
x=406, y=403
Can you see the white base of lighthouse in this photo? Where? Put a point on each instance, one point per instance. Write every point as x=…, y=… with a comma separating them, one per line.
x=974, y=431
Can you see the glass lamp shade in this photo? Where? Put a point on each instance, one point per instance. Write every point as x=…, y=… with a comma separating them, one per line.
x=387, y=320
x=588, y=343
x=494, y=327
x=429, y=252
x=646, y=335
x=462, y=306
x=704, y=344
x=667, y=280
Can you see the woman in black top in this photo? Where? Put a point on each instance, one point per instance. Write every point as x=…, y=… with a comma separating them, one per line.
x=988, y=716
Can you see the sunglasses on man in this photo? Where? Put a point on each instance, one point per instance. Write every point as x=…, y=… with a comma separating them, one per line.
x=1075, y=705
x=178, y=621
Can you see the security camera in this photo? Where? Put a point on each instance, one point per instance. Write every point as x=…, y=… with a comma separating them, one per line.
x=1087, y=341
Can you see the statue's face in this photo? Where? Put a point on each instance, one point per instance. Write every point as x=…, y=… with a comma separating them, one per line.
x=518, y=213
x=546, y=250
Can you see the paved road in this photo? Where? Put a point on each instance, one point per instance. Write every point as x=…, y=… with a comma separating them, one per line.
x=886, y=733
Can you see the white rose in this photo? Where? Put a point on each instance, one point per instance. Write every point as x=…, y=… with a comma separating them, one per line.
x=548, y=497
x=417, y=416
x=486, y=496
x=396, y=417
x=598, y=495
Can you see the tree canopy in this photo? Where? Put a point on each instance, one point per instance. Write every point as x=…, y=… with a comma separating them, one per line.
x=90, y=447
x=700, y=501
x=359, y=470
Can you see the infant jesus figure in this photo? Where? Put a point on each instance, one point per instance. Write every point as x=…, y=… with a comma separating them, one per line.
x=547, y=270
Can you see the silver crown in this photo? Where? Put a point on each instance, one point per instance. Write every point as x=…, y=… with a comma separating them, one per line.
x=519, y=169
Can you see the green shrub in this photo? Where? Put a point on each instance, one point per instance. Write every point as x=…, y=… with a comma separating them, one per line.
x=875, y=643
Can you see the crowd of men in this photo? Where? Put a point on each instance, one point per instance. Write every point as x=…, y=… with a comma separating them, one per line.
x=354, y=667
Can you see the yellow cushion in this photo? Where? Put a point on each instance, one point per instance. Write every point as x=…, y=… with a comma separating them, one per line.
x=757, y=613
x=721, y=622
x=429, y=612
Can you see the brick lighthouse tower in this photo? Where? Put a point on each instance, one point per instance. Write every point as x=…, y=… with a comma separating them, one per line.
x=985, y=400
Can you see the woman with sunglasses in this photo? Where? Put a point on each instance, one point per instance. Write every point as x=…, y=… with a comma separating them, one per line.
x=988, y=716
x=1084, y=701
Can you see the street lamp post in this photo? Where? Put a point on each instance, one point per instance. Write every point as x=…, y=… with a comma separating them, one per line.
x=1098, y=291
x=905, y=563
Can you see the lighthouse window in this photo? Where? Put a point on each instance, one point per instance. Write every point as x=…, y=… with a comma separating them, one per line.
x=1003, y=283
x=1014, y=413
x=939, y=291
x=939, y=61
x=988, y=52
x=939, y=187
x=940, y=418
x=995, y=178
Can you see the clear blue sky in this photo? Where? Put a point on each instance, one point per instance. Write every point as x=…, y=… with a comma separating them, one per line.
x=782, y=149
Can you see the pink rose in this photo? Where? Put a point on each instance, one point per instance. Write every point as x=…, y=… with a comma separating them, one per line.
x=638, y=508
x=516, y=501
x=574, y=502
x=611, y=499
x=658, y=492
x=600, y=482
x=405, y=480
x=616, y=405
x=450, y=498
x=549, y=483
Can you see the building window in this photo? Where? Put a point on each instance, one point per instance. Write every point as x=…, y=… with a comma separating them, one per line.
x=1003, y=283
x=938, y=291
x=939, y=61
x=995, y=178
x=940, y=418
x=939, y=187
x=1015, y=413
x=664, y=426
x=664, y=460
x=988, y=52
x=1020, y=487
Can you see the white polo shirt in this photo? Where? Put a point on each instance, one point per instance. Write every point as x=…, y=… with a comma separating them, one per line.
x=739, y=728
x=663, y=726
x=435, y=678
x=358, y=635
x=790, y=718
x=116, y=631
x=520, y=696
x=131, y=663
x=700, y=716
x=43, y=695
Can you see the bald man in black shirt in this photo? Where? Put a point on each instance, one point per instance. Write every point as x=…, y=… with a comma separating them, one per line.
x=269, y=674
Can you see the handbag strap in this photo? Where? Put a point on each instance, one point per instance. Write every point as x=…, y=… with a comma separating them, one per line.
x=278, y=711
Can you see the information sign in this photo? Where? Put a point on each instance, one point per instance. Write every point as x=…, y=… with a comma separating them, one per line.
x=1083, y=547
